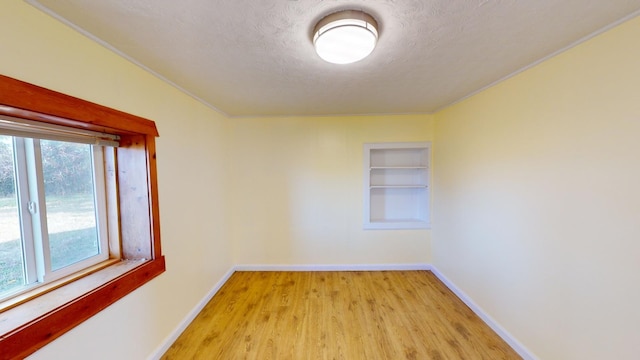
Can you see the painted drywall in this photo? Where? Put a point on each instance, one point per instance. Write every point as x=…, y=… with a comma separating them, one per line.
x=292, y=185
x=195, y=236
x=298, y=191
x=537, y=204
x=535, y=216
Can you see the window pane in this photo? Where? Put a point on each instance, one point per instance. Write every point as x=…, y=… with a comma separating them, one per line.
x=71, y=212
x=11, y=256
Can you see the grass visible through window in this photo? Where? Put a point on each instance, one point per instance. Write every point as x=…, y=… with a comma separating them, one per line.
x=74, y=238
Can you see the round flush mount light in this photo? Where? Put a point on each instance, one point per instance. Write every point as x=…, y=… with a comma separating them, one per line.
x=345, y=37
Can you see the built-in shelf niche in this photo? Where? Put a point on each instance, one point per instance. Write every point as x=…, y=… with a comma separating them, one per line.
x=396, y=185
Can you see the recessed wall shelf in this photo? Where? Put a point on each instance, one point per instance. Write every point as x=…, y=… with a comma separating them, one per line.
x=396, y=185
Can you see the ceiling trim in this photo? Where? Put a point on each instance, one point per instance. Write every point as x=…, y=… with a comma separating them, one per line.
x=541, y=60
x=108, y=46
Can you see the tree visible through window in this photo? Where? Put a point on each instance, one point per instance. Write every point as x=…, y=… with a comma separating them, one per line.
x=49, y=213
x=11, y=260
x=58, y=206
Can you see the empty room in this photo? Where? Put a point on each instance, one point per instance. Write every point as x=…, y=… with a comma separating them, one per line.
x=235, y=187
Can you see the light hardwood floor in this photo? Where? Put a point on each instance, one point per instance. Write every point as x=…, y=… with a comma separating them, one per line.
x=337, y=315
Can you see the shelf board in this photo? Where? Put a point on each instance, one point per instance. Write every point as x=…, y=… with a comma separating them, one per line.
x=397, y=186
x=387, y=221
x=396, y=224
x=396, y=167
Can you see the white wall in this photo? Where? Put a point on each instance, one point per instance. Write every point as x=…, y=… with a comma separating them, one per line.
x=537, y=200
x=192, y=167
x=299, y=191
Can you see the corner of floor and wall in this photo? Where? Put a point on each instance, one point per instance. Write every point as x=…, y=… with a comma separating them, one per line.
x=535, y=204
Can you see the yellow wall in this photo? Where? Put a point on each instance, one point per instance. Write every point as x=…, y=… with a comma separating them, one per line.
x=299, y=191
x=284, y=191
x=536, y=208
x=537, y=200
x=38, y=49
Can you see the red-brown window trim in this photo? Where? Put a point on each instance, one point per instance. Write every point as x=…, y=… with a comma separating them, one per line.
x=139, y=222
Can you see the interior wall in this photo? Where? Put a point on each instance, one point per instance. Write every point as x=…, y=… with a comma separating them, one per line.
x=298, y=191
x=537, y=205
x=192, y=167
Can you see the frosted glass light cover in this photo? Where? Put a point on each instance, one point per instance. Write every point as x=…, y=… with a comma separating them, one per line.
x=345, y=41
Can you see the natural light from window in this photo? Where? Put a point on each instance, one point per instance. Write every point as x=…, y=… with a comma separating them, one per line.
x=52, y=211
x=79, y=213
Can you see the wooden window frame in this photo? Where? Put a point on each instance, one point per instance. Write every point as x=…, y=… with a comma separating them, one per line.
x=137, y=196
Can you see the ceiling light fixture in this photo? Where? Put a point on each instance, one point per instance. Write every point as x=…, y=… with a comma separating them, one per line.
x=345, y=37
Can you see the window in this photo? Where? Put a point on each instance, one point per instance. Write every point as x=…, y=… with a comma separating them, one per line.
x=80, y=237
x=53, y=220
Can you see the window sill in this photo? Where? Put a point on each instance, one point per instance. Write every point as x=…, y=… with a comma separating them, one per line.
x=31, y=325
x=26, y=327
x=40, y=290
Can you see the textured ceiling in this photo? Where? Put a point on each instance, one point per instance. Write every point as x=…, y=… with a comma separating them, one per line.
x=255, y=58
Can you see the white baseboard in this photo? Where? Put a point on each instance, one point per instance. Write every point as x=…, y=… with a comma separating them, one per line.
x=334, y=267
x=493, y=324
x=173, y=336
x=504, y=334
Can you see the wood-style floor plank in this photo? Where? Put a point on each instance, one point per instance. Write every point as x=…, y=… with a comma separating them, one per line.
x=337, y=315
